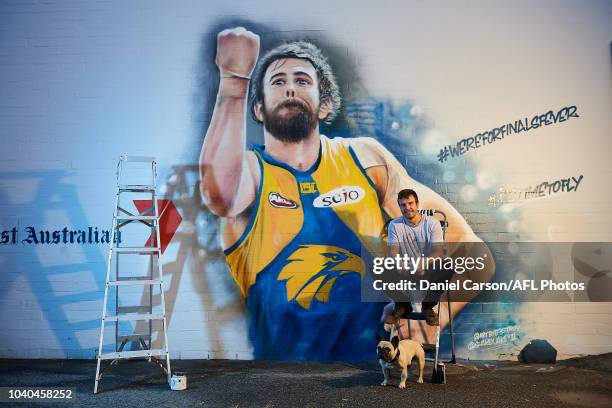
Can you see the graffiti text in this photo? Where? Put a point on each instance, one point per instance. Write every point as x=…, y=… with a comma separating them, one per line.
x=491, y=136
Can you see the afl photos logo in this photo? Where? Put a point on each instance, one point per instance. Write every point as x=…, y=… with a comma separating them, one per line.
x=340, y=196
x=278, y=201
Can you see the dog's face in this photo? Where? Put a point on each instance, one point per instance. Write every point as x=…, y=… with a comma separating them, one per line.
x=386, y=350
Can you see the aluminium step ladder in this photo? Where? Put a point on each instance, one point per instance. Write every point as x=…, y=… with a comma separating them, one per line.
x=129, y=315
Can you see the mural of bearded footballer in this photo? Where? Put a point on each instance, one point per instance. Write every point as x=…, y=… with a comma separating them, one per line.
x=299, y=209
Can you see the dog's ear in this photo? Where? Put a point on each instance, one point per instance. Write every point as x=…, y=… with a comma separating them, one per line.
x=378, y=338
x=395, y=341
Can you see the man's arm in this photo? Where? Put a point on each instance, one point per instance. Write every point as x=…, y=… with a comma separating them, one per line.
x=229, y=175
x=437, y=240
x=392, y=241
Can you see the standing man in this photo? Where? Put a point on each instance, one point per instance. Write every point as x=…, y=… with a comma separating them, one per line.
x=298, y=211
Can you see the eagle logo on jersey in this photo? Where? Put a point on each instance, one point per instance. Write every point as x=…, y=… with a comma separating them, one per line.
x=312, y=270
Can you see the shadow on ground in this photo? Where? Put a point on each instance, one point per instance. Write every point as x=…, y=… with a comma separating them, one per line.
x=584, y=382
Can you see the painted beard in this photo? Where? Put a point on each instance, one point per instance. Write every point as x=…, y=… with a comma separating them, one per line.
x=292, y=127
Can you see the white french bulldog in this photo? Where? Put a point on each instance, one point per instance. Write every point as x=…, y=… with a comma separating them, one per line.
x=400, y=354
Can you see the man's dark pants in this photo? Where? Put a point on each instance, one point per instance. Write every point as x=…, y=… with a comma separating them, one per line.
x=432, y=297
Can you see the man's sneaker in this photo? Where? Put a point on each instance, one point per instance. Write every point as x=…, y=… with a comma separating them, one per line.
x=431, y=317
x=400, y=309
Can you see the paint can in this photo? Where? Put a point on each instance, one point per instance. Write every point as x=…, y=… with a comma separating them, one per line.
x=178, y=381
x=439, y=374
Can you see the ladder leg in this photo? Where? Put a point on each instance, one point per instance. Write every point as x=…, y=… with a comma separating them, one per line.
x=452, y=329
x=105, y=301
x=97, y=376
x=161, y=286
x=437, y=345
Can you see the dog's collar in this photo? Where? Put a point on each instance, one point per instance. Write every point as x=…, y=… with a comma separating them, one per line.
x=396, y=355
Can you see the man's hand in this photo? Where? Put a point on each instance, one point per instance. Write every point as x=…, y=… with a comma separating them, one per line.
x=237, y=52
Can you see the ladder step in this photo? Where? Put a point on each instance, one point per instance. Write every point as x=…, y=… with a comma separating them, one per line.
x=138, y=159
x=133, y=318
x=129, y=282
x=133, y=309
x=429, y=347
x=135, y=250
x=132, y=354
x=414, y=316
x=136, y=187
x=136, y=217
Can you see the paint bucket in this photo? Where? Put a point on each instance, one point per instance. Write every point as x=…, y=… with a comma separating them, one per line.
x=439, y=374
x=178, y=381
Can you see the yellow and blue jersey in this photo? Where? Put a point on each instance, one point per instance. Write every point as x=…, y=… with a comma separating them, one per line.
x=300, y=261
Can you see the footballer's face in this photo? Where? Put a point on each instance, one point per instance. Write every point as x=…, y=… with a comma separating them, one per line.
x=290, y=110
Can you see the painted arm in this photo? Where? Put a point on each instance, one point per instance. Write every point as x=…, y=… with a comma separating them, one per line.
x=390, y=177
x=228, y=173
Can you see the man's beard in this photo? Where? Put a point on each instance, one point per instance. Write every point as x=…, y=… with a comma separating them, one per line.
x=291, y=128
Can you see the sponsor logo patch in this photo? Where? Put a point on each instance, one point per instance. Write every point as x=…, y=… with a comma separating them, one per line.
x=340, y=196
x=308, y=187
x=278, y=201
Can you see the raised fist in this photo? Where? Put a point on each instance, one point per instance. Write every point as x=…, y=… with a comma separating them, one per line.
x=237, y=52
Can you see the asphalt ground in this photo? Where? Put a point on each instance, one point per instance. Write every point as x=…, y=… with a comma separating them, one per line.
x=584, y=382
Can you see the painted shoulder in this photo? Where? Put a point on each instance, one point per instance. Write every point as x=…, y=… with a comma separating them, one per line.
x=369, y=151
